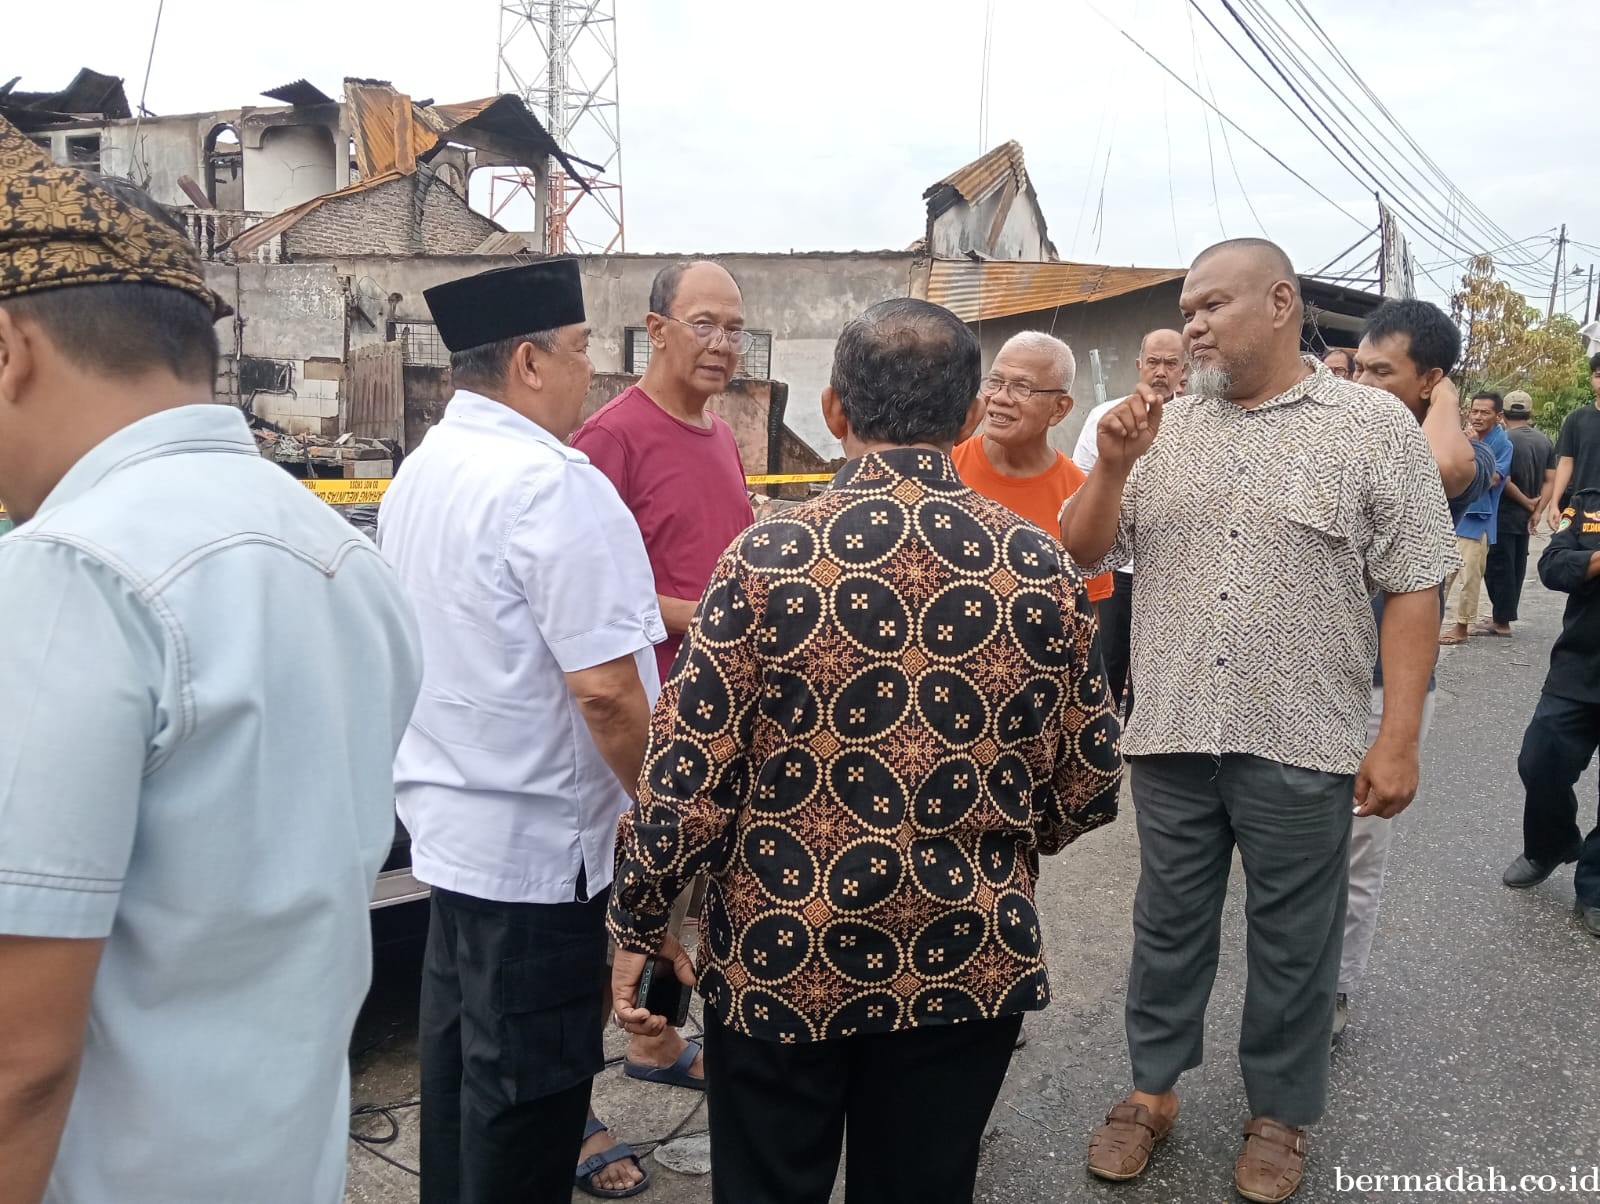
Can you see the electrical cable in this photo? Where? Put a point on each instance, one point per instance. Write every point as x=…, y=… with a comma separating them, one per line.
x=370, y=1142
x=1088, y=178
x=1256, y=142
x=1349, y=160
x=983, y=85
x=1227, y=143
x=1205, y=119
x=1311, y=23
x=1172, y=198
x=1295, y=54
x=1355, y=246
x=144, y=90
x=1455, y=198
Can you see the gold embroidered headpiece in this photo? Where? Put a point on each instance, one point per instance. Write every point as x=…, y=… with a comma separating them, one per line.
x=59, y=228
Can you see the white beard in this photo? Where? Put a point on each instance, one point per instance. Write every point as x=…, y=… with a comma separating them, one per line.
x=1208, y=380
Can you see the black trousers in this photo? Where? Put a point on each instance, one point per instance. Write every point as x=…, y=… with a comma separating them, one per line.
x=510, y=1041
x=1504, y=572
x=915, y=1104
x=1557, y=748
x=1116, y=633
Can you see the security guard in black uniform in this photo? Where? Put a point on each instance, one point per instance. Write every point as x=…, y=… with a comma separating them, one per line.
x=1565, y=729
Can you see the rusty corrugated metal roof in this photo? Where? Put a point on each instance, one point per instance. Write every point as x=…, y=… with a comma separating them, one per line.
x=978, y=178
x=992, y=288
x=384, y=121
x=392, y=136
x=300, y=93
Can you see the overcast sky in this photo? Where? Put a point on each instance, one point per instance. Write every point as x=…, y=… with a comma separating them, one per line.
x=816, y=126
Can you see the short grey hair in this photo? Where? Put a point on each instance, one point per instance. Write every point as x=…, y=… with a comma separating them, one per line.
x=1062, y=362
x=485, y=366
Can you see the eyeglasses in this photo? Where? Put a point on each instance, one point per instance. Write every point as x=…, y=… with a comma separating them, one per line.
x=1019, y=392
x=712, y=335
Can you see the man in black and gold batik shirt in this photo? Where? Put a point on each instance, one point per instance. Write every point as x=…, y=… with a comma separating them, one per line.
x=889, y=704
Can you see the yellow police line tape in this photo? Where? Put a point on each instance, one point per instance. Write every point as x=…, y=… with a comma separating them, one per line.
x=341, y=492
x=337, y=491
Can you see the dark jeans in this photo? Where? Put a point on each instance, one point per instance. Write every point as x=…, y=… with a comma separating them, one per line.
x=1557, y=748
x=1504, y=572
x=1292, y=829
x=1116, y=629
x=509, y=1038
x=915, y=1104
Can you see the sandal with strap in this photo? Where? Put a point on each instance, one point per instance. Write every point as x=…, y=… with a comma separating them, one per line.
x=583, y=1177
x=1120, y=1149
x=1271, y=1162
x=677, y=1075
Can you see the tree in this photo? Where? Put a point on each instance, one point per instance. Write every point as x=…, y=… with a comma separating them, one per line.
x=1506, y=345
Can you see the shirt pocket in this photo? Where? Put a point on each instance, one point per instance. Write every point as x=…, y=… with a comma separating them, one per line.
x=1313, y=497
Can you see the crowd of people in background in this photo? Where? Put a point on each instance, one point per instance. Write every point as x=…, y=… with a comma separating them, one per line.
x=606, y=701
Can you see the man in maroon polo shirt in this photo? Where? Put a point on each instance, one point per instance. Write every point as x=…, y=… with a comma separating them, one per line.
x=676, y=466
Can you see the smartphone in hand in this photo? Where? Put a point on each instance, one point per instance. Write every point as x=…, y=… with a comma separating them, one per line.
x=661, y=994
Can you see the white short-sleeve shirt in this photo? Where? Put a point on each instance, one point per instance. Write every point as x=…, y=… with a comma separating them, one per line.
x=522, y=565
x=1086, y=453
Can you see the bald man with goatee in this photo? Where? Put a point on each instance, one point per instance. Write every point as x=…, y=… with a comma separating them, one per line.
x=1256, y=508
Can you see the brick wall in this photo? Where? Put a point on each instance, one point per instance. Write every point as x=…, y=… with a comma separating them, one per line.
x=379, y=221
x=449, y=225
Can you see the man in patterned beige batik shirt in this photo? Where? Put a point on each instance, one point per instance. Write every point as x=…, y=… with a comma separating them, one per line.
x=1274, y=493
x=889, y=704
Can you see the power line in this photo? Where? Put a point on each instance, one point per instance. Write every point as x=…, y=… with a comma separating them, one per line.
x=144, y=90
x=1227, y=143
x=1205, y=119
x=1355, y=246
x=1088, y=175
x=1256, y=142
x=1296, y=55
x=1422, y=156
x=1349, y=160
x=1172, y=197
x=983, y=85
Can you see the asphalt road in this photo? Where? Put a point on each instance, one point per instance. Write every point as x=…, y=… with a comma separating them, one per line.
x=1473, y=1045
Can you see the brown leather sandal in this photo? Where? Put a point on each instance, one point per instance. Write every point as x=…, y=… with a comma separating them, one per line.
x=1120, y=1148
x=1271, y=1162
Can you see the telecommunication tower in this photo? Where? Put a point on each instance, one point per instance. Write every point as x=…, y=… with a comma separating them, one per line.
x=560, y=56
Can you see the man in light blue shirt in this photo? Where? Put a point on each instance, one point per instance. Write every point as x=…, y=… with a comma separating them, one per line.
x=204, y=674
x=1476, y=529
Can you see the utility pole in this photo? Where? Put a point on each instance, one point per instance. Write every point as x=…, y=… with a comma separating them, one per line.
x=1588, y=293
x=1561, y=250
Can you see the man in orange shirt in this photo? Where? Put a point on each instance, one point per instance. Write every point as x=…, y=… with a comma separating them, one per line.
x=1028, y=390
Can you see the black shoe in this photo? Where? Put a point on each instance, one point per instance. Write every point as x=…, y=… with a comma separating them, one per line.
x=1525, y=871
x=1341, y=1015
x=1589, y=914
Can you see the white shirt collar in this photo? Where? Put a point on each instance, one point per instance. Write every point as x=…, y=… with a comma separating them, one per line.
x=477, y=410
